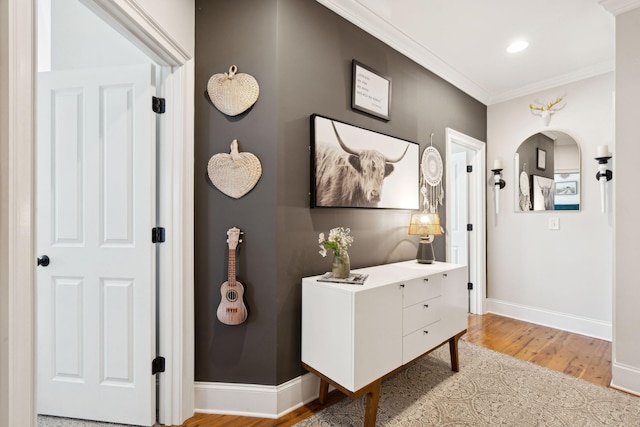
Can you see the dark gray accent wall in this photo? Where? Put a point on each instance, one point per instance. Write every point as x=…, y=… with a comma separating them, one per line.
x=528, y=155
x=301, y=54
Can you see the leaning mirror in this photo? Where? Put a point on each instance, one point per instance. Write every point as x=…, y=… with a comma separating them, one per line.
x=547, y=167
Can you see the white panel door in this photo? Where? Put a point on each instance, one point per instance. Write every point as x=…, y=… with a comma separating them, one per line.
x=459, y=216
x=96, y=209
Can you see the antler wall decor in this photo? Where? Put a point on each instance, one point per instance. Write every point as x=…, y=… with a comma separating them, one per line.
x=546, y=110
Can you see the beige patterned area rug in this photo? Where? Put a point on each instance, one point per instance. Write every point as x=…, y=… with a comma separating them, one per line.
x=491, y=389
x=46, y=421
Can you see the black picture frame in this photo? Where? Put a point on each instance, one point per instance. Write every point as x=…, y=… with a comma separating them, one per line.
x=378, y=171
x=370, y=91
x=541, y=159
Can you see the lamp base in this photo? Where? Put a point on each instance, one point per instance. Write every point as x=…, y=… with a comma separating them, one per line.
x=425, y=252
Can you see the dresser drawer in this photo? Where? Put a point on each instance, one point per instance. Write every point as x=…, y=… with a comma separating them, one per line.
x=422, y=289
x=420, y=341
x=421, y=314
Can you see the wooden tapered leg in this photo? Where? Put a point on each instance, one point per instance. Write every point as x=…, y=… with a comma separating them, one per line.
x=371, y=411
x=453, y=349
x=324, y=391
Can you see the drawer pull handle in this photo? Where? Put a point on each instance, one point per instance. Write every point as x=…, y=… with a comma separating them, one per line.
x=426, y=306
x=402, y=285
x=444, y=275
x=426, y=279
x=426, y=332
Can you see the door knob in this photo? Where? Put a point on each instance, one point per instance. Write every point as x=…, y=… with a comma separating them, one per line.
x=43, y=260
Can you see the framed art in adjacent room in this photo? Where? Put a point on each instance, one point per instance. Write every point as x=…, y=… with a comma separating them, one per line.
x=352, y=167
x=542, y=159
x=370, y=91
x=567, y=191
x=543, y=193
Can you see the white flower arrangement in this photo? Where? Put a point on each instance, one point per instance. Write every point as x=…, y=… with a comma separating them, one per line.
x=339, y=240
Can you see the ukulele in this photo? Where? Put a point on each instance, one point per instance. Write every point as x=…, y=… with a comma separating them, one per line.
x=232, y=310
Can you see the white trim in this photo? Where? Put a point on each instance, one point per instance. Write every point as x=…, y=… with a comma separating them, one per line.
x=553, y=319
x=360, y=15
x=617, y=7
x=132, y=21
x=357, y=13
x=184, y=326
x=20, y=274
x=625, y=378
x=251, y=400
x=176, y=332
x=169, y=296
x=477, y=189
x=176, y=207
x=554, y=82
x=17, y=269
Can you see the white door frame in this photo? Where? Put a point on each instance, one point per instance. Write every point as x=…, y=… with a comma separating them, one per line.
x=18, y=396
x=477, y=215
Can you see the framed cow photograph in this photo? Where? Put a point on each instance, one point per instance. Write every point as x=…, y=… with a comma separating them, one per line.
x=352, y=167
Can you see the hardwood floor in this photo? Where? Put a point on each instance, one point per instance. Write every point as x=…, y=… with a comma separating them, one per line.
x=576, y=355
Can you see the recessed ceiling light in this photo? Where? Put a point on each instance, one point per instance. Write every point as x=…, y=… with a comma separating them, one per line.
x=517, y=46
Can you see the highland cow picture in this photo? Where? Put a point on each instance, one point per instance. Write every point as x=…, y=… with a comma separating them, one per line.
x=352, y=167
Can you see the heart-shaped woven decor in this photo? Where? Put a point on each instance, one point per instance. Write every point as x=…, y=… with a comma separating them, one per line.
x=233, y=93
x=234, y=174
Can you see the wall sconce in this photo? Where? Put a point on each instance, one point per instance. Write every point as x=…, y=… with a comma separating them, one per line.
x=426, y=225
x=604, y=175
x=498, y=182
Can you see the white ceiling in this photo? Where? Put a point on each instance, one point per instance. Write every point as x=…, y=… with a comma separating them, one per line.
x=464, y=41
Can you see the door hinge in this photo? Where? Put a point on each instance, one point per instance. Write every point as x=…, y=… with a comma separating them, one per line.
x=157, y=365
x=469, y=168
x=470, y=286
x=469, y=227
x=157, y=235
x=158, y=105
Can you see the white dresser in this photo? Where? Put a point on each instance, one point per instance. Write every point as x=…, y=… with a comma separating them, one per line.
x=355, y=335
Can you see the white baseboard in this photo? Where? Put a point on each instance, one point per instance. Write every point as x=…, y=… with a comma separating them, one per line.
x=626, y=378
x=252, y=400
x=566, y=322
x=262, y=401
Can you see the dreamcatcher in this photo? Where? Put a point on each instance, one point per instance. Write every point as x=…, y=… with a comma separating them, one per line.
x=431, y=179
x=525, y=190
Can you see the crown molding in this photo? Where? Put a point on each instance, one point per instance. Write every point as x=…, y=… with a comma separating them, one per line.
x=617, y=7
x=129, y=18
x=581, y=74
x=358, y=14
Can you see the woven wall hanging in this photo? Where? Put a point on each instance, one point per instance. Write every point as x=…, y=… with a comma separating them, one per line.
x=233, y=93
x=431, y=178
x=234, y=174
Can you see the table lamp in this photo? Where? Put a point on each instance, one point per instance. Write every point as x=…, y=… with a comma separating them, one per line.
x=426, y=225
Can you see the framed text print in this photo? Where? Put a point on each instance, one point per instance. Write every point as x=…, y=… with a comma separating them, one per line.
x=371, y=91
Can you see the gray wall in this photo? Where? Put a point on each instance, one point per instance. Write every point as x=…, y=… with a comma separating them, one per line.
x=300, y=53
x=528, y=154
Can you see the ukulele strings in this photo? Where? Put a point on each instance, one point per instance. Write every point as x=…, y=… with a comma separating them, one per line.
x=233, y=295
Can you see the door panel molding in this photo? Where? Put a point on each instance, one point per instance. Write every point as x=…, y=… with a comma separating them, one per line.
x=116, y=259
